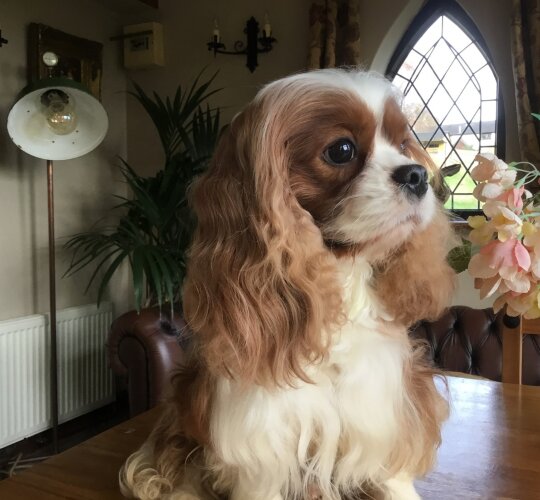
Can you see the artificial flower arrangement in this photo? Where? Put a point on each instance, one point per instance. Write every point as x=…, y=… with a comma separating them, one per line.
x=508, y=236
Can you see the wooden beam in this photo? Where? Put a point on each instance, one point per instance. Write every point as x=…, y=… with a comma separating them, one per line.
x=152, y=3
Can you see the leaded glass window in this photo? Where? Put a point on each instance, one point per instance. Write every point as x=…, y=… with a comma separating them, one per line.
x=451, y=101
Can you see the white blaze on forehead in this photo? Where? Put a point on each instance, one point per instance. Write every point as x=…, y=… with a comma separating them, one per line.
x=375, y=205
x=371, y=88
x=374, y=209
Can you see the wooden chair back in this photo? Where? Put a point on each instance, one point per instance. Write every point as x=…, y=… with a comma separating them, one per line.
x=512, y=359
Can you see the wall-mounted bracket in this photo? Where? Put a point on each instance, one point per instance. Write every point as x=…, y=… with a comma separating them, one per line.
x=143, y=45
x=3, y=41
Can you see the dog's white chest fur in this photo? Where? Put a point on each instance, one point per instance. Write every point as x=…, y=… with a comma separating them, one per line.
x=337, y=432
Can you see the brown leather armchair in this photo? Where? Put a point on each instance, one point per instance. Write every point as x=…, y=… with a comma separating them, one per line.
x=144, y=348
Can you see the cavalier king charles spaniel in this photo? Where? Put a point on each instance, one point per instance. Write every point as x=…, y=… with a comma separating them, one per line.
x=319, y=243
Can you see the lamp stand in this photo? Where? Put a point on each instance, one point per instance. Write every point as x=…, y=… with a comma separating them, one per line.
x=56, y=139
x=52, y=301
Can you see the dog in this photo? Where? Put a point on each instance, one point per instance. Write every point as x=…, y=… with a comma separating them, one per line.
x=319, y=243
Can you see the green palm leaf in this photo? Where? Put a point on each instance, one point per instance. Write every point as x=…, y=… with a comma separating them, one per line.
x=155, y=221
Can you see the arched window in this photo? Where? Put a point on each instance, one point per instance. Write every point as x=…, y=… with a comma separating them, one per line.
x=451, y=93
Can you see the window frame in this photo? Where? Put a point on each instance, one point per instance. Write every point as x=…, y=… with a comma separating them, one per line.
x=427, y=15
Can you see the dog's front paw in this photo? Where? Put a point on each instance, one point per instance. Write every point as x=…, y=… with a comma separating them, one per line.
x=401, y=487
x=183, y=495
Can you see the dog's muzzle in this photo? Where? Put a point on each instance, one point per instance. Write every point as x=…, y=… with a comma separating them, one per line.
x=412, y=178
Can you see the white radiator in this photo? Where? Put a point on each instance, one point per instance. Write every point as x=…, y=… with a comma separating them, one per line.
x=84, y=380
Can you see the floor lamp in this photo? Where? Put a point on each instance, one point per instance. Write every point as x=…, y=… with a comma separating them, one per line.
x=56, y=119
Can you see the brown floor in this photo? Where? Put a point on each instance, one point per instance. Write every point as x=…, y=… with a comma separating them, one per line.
x=24, y=454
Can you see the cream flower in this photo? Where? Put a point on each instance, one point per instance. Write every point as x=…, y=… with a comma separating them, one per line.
x=506, y=265
x=532, y=242
x=482, y=232
x=532, y=239
x=527, y=304
x=506, y=223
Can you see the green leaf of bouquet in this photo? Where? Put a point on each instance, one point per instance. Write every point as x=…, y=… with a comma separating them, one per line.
x=458, y=258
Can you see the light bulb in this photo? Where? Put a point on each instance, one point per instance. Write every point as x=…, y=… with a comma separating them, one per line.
x=58, y=111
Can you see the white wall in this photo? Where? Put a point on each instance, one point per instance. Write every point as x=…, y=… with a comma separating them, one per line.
x=83, y=187
x=187, y=28
x=188, y=25
x=390, y=19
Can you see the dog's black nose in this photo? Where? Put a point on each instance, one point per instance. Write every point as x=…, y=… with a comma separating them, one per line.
x=413, y=178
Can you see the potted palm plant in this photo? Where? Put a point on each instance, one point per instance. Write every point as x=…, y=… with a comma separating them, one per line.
x=155, y=224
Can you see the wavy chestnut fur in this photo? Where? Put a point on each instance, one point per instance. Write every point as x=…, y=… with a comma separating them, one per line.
x=318, y=243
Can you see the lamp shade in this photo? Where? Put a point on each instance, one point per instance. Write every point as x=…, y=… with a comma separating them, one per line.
x=37, y=131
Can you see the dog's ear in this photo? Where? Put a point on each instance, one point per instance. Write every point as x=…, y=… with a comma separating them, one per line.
x=416, y=282
x=261, y=287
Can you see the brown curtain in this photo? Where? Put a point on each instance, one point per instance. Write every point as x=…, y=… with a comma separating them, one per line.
x=334, y=33
x=526, y=61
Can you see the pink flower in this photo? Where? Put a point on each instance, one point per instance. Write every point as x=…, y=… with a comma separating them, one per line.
x=513, y=198
x=505, y=264
x=509, y=253
x=490, y=168
x=487, y=191
x=493, y=177
x=501, y=266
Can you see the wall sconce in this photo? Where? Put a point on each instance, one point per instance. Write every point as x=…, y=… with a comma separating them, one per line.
x=3, y=41
x=254, y=45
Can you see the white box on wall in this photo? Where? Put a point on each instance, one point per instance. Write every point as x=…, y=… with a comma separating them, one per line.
x=145, y=50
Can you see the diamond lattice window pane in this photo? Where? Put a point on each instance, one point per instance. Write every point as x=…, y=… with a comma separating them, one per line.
x=400, y=83
x=441, y=58
x=487, y=82
x=488, y=149
x=440, y=104
x=463, y=202
x=412, y=105
x=454, y=35
x=456, y=79
x=450, y=100
x=425, y=123
x=469, y=100
x=489, y=111
x=430, y=37
x=410, y=64
x=455, y=116
x=474, y=58
x=426, y=82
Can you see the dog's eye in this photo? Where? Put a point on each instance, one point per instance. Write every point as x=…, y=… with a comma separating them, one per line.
x=403, y=146
x=340, y=152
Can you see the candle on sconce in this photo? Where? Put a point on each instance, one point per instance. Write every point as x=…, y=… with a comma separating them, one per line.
x=257, y=41
x=215, y=33
x=267, y=28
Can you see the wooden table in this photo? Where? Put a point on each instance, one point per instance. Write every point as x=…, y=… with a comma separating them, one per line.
x=490, y=450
